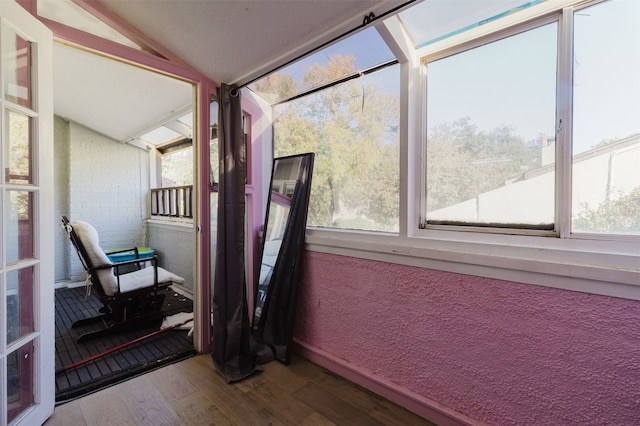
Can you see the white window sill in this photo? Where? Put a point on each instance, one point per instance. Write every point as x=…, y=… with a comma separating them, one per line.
x=174, y=221
x=592, y=266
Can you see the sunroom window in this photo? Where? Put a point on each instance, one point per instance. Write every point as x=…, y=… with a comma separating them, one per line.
x=490, y=114
x=343, y=103
x=606, y=119
x=511, y=120
x=353, y=128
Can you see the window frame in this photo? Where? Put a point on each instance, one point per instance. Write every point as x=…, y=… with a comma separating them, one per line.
x=592, y=263
x=559, y=165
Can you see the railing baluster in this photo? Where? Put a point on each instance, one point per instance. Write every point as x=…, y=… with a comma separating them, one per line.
x=172, y=202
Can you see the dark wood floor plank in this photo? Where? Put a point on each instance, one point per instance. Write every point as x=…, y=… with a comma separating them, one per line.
x=331, y=406
x=287, y=376
x=230, y=399
x=67, y=414
x=171, y=383
x=273, y=394
x=197, y=409
x=106, y=407
x=191, y=392
x=147, y=405
x=391, y=414
x=344, y=389
x=316, y=419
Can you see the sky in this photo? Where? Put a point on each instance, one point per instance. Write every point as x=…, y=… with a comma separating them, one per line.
x=512, y=81
x=607, y=72
x=509, y=82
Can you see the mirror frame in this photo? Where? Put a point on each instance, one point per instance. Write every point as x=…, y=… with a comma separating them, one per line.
x=276, y=288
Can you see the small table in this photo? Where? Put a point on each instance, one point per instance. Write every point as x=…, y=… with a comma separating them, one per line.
x=143, y=253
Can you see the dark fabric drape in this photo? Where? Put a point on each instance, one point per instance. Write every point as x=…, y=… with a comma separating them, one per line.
x=279, y=310
x=232, y=341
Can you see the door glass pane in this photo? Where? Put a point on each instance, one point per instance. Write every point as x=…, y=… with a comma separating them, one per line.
x=606, y=119
x=491, y=134
x=20, y=380
x=19, y=225
x=16, y=58
x=18, y=140
x=19, y=304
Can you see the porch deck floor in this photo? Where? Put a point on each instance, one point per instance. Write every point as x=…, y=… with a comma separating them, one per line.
x=133, y=360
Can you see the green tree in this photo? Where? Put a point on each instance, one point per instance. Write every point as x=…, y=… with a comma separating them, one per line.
x=464, y=161
x=277, y=86
x=353, y=129
x=620, y=215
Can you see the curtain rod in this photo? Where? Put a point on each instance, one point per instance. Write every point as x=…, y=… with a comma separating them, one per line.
x=344, y=79
x=368, y=19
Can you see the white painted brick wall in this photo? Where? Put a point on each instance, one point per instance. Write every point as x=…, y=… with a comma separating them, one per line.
x=108, y=187
x=61, y=198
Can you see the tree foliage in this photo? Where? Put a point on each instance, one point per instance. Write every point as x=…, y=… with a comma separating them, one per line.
x=620, y=215
x=463, y=161
x=353, y=129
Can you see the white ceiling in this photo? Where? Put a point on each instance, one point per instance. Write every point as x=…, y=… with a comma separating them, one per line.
x=115, y=99
x=234, y=41
x=229, y=41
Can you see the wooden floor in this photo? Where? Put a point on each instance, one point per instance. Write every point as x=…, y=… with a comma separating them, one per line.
x=190, y=392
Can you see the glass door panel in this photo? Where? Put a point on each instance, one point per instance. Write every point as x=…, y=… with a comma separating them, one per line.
x=20, y=388
x=19, y=225
x=19, y=299
x=18, y=147
x=16, y=58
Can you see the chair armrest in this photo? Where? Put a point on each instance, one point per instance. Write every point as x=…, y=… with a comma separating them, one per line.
x=153, y=259
x=133, y=249
x=116, y=265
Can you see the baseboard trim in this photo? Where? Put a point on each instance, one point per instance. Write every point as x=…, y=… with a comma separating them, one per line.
x=418, y=404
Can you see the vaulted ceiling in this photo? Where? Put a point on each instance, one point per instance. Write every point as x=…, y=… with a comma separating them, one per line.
x=229, y=41
x=235, y=41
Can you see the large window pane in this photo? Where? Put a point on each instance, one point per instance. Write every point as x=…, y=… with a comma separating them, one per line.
x=606, y=118
x=19, y=225
x=19, y=303
x=353, y=130
x=490, y=133
x=18, y=151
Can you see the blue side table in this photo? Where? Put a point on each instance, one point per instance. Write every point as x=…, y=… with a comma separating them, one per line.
x=143, y=253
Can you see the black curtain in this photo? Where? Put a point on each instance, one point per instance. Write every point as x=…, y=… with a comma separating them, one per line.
x=232, y=350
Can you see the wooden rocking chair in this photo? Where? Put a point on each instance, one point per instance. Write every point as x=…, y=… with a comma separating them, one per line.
x=130, y=299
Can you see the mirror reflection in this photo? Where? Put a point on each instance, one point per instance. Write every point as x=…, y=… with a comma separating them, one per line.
x=283, y=240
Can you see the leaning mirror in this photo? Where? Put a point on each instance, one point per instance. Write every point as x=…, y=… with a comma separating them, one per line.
x=283, y=244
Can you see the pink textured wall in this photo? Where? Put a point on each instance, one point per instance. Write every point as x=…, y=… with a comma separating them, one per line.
x=500, y=352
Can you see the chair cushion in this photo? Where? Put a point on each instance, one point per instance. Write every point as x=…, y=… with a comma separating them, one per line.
x=128, y=282
x=144, y=278
x=91, y=242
